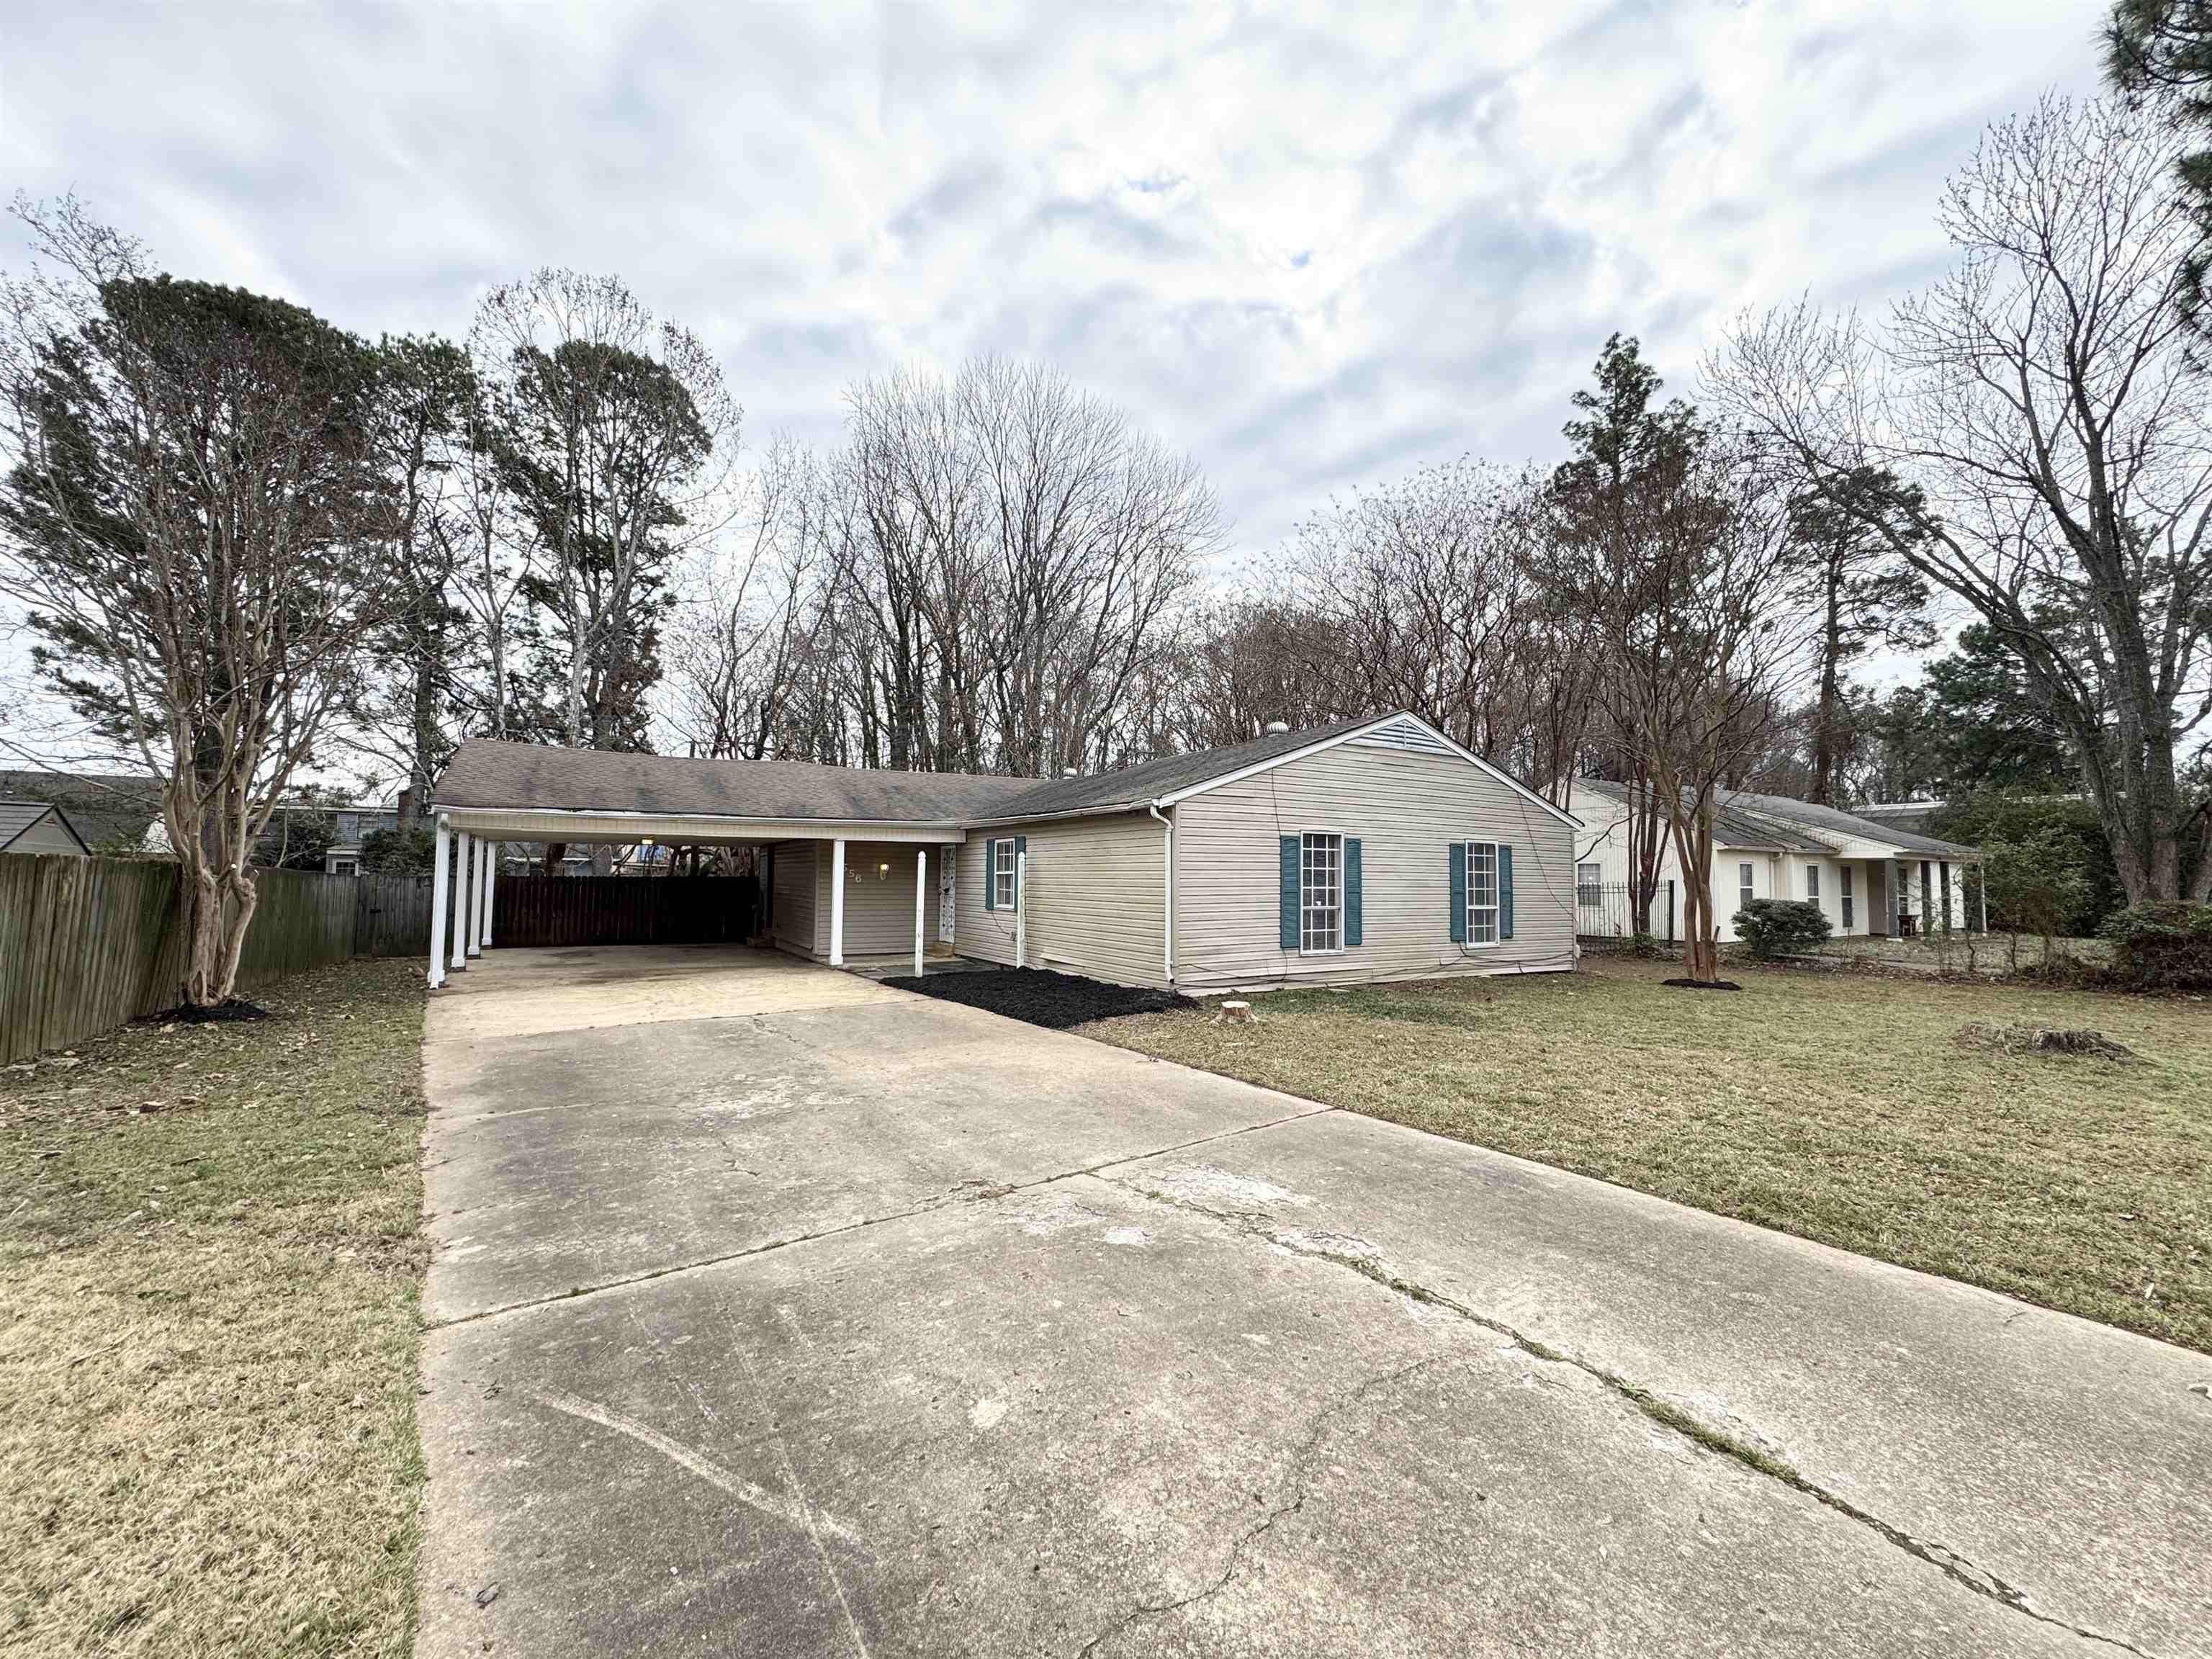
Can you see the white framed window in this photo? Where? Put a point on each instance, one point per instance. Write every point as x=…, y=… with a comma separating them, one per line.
x=1588, y=891
x=1743, y=886
x=1811, y=883
x=1320, y=892
x=1482, y=893
x=1002, y=873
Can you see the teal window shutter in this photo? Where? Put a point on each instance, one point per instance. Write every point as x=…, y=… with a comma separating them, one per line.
x=1505, y=891
x=990, y=875
x=1459, y=892
x=1288, y=918
x=1021, y=846
x=1351, y=892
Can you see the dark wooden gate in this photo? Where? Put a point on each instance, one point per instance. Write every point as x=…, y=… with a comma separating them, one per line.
x=622, y=909
x=391, y=915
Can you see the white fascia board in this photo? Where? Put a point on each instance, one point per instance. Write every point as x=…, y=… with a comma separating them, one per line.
x=558, y=823
x=1395, y=715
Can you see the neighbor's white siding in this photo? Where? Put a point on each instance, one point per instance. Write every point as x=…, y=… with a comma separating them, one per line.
x=1407, y=806
x=1095, y=897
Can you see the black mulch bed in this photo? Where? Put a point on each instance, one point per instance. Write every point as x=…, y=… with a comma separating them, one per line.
x=1042, y=997
x=1703, y=984
x=186, y=1013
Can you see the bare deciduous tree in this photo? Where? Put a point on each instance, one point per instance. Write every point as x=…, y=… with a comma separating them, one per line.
x=198, y=521
x=2051, y=450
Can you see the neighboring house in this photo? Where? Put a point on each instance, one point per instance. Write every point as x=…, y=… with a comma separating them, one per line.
x=1372, y=850
x=353, y=825
x=110, y=812
x=1870, y=877
x=37, y=826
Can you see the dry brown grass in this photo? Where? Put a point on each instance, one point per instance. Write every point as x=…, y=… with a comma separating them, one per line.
x=208, y=1325
x=1839, y=1108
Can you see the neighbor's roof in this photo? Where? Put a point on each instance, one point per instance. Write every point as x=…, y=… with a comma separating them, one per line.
x=1779, y=823
x=16, y=818
x=1731, y=826
x=1834, y=820
x=104, y=809
x=543, y=778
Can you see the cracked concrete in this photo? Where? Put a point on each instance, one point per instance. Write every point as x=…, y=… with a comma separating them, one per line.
x=904, y=1329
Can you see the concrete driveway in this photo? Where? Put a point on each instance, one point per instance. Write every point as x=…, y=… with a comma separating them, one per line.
x=775, y=1312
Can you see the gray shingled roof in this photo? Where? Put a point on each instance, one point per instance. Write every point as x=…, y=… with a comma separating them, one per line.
x=523, y=775
x=1138, y=785
x=543, y=777
x=1742, y=818
x=1832, y=818
x=107, y=810
x=1731, y=827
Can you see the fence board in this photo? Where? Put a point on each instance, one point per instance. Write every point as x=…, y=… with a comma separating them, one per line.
x=552, y=911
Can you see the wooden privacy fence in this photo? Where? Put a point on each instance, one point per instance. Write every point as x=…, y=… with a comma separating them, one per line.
x=621, y=909
x=87, y=943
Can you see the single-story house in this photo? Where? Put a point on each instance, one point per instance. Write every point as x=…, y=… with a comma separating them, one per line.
x=1372, y=850
x=38, y=826
x=1870, y=877
x=111, y=812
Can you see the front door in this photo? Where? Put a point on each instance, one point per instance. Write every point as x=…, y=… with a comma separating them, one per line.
x=1845, y=895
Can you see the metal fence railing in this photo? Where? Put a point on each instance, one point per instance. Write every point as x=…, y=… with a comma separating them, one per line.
x=1603, y=910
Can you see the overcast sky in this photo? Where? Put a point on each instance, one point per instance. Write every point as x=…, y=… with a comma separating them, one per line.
x=1315, y=249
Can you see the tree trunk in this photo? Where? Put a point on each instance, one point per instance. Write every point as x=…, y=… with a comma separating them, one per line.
x=1831, y=650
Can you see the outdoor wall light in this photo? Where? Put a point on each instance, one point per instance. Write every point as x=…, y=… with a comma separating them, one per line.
x=883, y=872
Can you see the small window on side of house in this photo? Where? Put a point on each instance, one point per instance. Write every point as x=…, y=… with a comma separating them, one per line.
x=1588, y=891
x=1002, y=873
x=1812, y=883
x=1743, y=886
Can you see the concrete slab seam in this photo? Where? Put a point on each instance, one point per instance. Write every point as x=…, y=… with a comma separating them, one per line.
x=1953, y=1566
x=967, y=1193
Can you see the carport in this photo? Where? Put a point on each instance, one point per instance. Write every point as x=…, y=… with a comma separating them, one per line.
x=800, y=816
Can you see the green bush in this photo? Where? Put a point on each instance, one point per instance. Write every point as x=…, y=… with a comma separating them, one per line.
x=413, y=850
x=1771, y=928
x=2064, y=834
x=2162, y=946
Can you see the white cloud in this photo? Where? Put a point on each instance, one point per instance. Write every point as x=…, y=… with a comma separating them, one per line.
x=1314, y=245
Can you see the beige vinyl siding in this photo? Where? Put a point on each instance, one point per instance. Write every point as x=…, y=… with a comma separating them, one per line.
x=791, y=919
x=1095, y=897
x=879, y=907
x=1406, y=809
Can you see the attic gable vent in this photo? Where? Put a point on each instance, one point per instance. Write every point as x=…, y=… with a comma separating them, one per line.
x=1404, y=734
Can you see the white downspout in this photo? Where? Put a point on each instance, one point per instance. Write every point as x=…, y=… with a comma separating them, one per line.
x=1167, y=892
x=1021, y=909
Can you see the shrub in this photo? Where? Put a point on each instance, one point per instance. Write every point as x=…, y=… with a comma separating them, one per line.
x=2162, y=946
x=413, y=850
x=1771, y=928
x=2048, y=824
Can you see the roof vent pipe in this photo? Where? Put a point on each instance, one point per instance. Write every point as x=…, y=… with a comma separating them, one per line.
x=1277, y=728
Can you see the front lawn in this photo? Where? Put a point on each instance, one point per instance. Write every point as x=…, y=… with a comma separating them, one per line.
x=210, y=1256
x=1851, y=1110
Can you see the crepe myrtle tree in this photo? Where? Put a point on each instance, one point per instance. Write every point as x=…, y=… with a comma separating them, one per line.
x=194, y=521
x=2031, y=436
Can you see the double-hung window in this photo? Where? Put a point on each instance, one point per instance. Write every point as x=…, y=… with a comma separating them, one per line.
x=1002, y=873
x=1743, y=886
x=1482, y=893
x=1320, y=892
x=1588, y=889
x=1811, y=883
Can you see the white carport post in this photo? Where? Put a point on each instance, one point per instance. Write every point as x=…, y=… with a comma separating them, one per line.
x=460, y=958
x=440, y=843
x=1021, y=908
x=837, y=902
x=476, y=898
x=491, y=877
x=921, y=898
